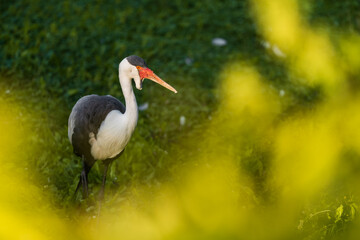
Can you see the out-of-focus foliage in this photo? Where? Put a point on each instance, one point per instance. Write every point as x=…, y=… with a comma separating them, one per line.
x=270, y=148
x=24, y=209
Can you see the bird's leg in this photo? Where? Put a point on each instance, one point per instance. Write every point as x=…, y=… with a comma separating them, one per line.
x=106, y=166
x=84, y=176
x=81, y=181
x=84, y=181
x=77, y=188
x=102, y=190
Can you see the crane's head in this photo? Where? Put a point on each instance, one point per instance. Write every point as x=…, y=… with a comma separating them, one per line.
x=138, y=70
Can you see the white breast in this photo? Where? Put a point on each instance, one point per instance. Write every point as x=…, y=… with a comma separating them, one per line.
x=114, y=133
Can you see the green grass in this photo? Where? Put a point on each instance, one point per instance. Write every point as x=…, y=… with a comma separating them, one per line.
x=54, y=52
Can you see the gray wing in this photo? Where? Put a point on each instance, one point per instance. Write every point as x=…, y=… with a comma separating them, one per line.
x=86, y=117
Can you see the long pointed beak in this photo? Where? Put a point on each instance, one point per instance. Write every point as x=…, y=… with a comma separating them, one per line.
x=158, y=80
x=147, y=73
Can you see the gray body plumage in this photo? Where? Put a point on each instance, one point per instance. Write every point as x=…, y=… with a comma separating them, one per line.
x=86, y=118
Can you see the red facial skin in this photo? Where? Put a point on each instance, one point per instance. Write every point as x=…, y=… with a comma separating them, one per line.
x=145, y=72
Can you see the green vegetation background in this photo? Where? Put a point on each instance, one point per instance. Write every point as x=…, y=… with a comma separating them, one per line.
x=54, y=52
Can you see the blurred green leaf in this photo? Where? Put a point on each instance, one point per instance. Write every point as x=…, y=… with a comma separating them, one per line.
x=338, y=213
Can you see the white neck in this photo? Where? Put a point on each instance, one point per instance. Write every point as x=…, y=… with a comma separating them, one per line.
x=131, y=112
